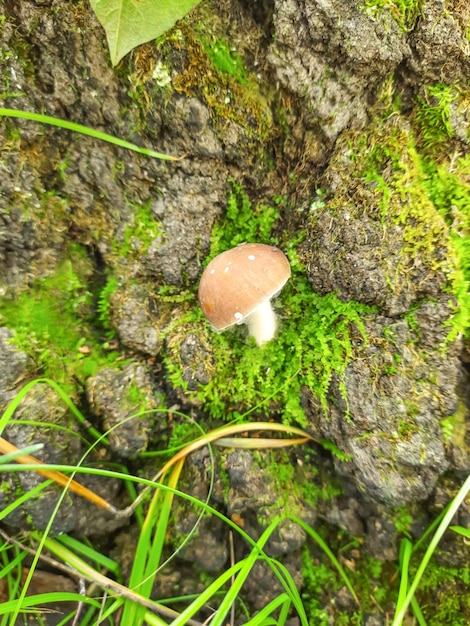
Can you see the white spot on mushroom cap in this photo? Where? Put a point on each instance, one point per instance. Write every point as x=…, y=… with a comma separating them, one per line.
x=226, y=268
x=251, y=257
x=237, y=315
x=212, y=271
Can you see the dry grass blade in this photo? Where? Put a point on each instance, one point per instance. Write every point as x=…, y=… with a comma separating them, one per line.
x=87, y=572
x=214, y=436
x=223, y=436
x=249, y=443
x=236, y=429
x=7, y=448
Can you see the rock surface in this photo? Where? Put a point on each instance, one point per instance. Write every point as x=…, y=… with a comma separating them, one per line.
x=322, y=112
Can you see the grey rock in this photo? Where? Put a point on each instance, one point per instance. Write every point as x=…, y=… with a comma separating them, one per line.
x=187, y=207
x=13, y=364
x=197, y=361
x=128, y=405
x=439, y=45
x=134, y=315
x=263, y=585
x=390, y=422
x=332, y=53
x=254, y=497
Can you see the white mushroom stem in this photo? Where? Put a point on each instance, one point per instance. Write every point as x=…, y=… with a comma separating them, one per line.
x=262, y=323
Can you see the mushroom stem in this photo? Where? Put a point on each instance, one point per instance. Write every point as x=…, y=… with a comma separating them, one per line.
x=262, y=323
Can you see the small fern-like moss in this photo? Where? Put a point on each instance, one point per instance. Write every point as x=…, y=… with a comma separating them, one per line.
x=314, y=339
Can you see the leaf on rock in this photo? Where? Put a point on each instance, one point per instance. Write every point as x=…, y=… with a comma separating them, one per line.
x=129, y=23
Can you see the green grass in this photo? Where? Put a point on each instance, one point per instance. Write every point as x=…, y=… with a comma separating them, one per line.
x=154, y=517
x=132, y=598
x=83, y=130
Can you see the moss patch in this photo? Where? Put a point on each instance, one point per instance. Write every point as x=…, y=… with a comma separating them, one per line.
x=53, y=323
x=438, y=119
x=138, y=234
x=405, y=177
x=404, y=12
x=313, y=342
x=207, y=66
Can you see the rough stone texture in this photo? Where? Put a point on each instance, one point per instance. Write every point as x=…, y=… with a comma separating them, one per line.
x=134, y=316
x=254, y=498
x=207, y=547
x=252, y=502
x=187, y=207
x=13, y=365
x=439, y=44
x=361, y=251
x=387, y=408
x=352, y=258
x=119, y=397
x=44, y=80
x=333, y=54
x=195, y=356
x=97, y=188
x=28, y=246
x=387, y=411
x=263, y=585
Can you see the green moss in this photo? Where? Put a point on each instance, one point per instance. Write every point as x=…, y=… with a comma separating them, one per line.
x=446, y=182
x=443, y=595
x=243, y=222
x=419, y=188
x=317, y=577
x=103, y=306
x=53, y=322
x=139, y=234
x=135, y=395
x=433, y=115
x=448, y=186
x=205, y=65
x=402, y=520
x=226, y=59
x=313, y=342
x=395, y=168
x=404, y=12
x=301, y=481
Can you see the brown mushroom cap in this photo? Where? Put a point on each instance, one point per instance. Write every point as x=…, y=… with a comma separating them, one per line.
x=237, y=281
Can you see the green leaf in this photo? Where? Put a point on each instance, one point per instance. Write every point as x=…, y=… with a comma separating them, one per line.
x=461, y=531
x=129, y=23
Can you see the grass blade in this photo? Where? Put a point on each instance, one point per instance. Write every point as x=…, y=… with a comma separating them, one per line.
x=150, y=548
x=84, y=130
x=25, y=459
x=316, y=537
x=281, y=600
x=406, y=549
x=446, y=520
x=31, y=602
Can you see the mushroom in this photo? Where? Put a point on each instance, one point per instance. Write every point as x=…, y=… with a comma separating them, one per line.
x=237, y=286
